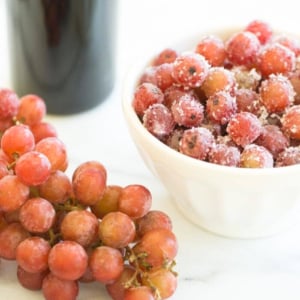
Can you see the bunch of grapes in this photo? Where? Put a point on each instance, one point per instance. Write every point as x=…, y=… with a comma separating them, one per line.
x=65, y=230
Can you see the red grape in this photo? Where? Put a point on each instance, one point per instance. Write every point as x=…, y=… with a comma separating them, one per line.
x=33, y=168
x=106, y=264
x=135, y=200
x=68, y=260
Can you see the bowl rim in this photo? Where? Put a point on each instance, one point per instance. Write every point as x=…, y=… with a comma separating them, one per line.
x=130, y=83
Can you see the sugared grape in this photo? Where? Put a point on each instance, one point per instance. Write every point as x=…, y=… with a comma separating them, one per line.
x=291, y=122
x=254, y=156
x=190, y=69
x=196, y=142
x=276, y=93
x=276, y=59
x=213, y=49
x=168, y=55
x=158, y=120
x=218, y=79
x=242, y=48
x=187, y=111
x=145, y=95
x=244, y=128
x=220, y=107
x=261, y=29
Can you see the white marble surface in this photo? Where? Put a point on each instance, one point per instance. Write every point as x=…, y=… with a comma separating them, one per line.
x=209, y=267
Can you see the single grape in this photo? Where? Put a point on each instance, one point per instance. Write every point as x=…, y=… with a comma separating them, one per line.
x=89, y=185
x=31, y=281
x=218, y=79
x=288, y=157
x=68, y=260
x=32, y=109
x=244, y=128
x=9, y=103
x=117, y=288
x=254, y=156
x=55, y=150
x=243, y=48
x=106, y=264
x=10, y=237
x=220, y=107
x=116, y=230
x=135, y=201
x=163, y=281
x=32, y=254
x=291, y=122
x=167, y=55
x=276, y=59
x=158, y=120
x=213, y=49
x=224, y=155
x=43, y=130
x=59, y=289
x=190, y=69
x=109, y=201
x=13, y=193
x=37, y=215
x=187, y=111
x=276, y=93
x=273, y=139
x=154, y=219
x=261, y=29
x=196, y=142
x=80, y=226
x=57, y=188
x=145, y=95
x=156, y=249
x=33, y=168
x=17, y=140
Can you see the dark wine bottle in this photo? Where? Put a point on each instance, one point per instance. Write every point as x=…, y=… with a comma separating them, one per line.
x=63, y=51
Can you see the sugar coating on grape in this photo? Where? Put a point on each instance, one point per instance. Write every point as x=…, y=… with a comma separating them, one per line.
x=244, y=128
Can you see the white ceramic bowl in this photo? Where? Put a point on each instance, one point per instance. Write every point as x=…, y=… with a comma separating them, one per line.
x=232, y=202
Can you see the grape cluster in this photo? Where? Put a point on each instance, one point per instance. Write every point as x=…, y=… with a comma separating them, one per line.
x=64, y=230
x=232, y=101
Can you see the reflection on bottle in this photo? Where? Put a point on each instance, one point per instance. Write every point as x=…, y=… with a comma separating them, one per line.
x=63, y=50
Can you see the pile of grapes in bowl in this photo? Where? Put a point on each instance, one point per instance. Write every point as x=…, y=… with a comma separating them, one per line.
x=216, y=118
